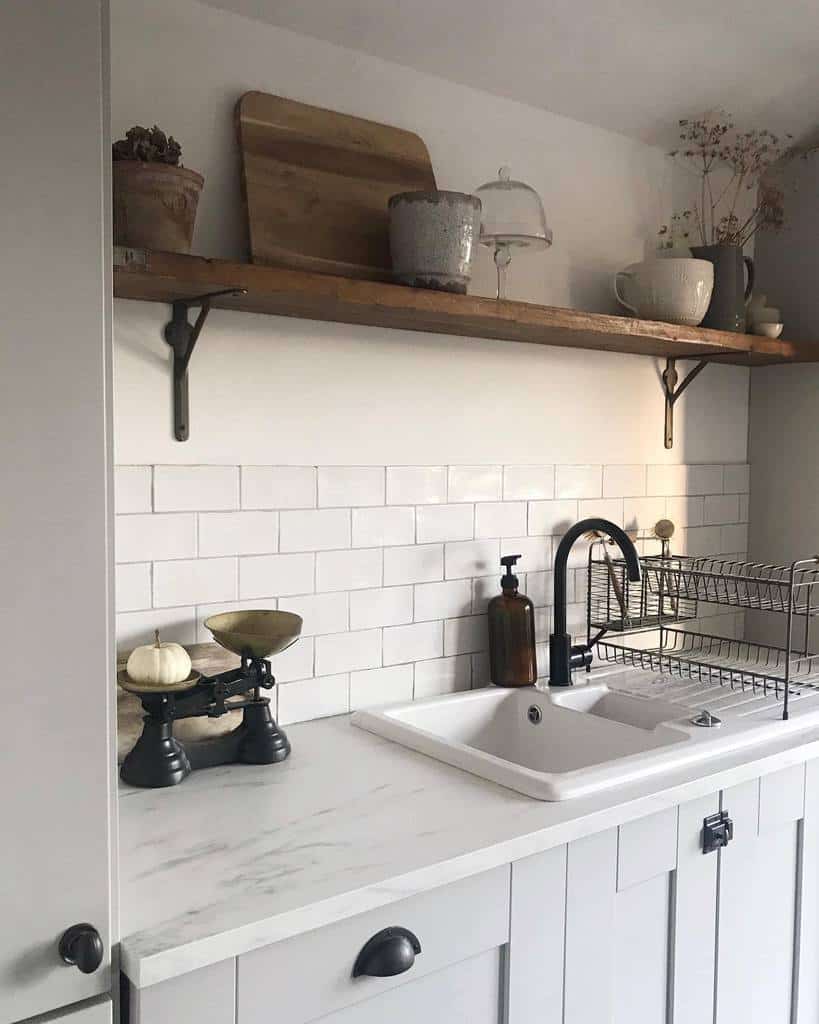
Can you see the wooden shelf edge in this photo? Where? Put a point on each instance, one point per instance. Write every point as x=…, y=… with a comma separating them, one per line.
x=163, y=277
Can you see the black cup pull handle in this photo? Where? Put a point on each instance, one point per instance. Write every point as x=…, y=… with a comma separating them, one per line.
x=81, y=946
x=389, y=952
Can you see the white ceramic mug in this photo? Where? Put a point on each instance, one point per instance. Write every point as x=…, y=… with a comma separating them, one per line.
x=676, y=291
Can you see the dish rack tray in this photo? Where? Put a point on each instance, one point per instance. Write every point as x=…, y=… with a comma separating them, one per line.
x=645, y=615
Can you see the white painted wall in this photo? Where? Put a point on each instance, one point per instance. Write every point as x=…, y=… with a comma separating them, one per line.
x=306, y=392
x=403, y=614
x=784, y=428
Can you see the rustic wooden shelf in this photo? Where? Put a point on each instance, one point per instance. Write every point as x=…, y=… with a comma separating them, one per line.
x=169, y=277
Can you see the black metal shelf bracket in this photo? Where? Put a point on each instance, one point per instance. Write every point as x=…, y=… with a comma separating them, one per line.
x=673, y=392
x=182, y=336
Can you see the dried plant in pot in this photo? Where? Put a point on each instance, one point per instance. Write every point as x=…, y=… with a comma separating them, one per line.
x=155, y=198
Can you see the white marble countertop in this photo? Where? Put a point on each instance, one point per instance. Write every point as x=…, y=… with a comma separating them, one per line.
x=239, y=857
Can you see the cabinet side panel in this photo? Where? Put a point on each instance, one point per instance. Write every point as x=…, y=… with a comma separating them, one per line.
x=536, y=943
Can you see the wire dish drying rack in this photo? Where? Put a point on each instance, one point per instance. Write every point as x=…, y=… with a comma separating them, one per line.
x=645, y=615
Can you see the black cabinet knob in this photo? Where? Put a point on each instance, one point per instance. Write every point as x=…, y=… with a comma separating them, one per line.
x=81, y=946
x=389, y=952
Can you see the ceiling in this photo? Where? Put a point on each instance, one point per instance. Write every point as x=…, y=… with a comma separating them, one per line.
x=634, y=66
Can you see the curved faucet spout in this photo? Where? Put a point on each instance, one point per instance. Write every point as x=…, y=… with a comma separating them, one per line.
x=560, y=643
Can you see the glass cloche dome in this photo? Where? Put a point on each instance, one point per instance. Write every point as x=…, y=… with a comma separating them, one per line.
x=512, y=217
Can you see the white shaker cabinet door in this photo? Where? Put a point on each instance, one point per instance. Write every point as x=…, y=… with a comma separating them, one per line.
x=759, y=879
x=56, y=768
x=617, y=927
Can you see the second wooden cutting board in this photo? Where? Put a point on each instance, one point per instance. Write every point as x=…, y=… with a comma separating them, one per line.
x=316, y=185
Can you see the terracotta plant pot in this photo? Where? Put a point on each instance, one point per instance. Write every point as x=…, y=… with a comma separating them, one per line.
x=155, y=205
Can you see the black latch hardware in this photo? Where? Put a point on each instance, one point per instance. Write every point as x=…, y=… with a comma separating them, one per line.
x=182, y=336
x=717, y=831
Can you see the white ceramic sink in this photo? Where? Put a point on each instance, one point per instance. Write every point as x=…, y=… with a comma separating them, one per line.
x=618, y=727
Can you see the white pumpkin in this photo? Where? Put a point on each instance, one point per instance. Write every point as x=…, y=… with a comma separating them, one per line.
x=158, y=664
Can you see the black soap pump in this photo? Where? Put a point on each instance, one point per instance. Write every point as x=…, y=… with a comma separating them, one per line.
x=512, y=657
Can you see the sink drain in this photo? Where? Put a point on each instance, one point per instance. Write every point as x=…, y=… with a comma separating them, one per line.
x=534, y=714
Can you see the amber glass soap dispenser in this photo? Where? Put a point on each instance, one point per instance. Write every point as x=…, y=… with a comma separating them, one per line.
x=512, y=658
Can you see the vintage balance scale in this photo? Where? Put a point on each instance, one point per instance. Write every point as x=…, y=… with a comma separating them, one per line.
x=158, y=759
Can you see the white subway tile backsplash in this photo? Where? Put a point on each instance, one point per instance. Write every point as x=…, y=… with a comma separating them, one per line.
x=734, y=539
x=132, y=489
x=279, y=575
x=422, y=563
x=539, y=587
x=314, y=698
x=525, y=483
x=133, y=586
x=704, y=480
x=624, y=481
x=551, y=517
x=294, y=663
x=466, y=635
x=703, y=540
x=667, y=480
x=721, y=508
x=471, y=558
x=314, y=530
x=442, y=675
x=578, y=481
x=416, y=485
x=385, y=606
x=480, y=669
x=383, y=527
x=196, y=488
x=483, y=590
x=535, y=553
x=500, y=519
x=685, y=511
x=736, y=478
x=349, y=570
x=418, y=642
x=606, y=508
x=437, y=523
x=642, y=514
x=442, y=600
x=151, y=538
x=348, y=486
x=238, y=533
x=322, y=613
x=379, y=686
x=278, y=487
x=392, y=568
x=194, y=581
x=475, y=483
x=343, y=652
x=174, y=624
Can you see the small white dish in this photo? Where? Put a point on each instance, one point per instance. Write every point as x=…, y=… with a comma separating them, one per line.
x=768, y=330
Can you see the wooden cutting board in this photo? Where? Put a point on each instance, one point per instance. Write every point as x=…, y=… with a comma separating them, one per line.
x=316, y=185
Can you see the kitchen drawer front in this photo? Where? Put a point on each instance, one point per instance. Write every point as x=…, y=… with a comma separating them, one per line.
x=310, y=976
x=466, y=993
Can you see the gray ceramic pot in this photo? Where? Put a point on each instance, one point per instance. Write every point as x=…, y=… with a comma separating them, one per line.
x=731, y=294
x=432, y=237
